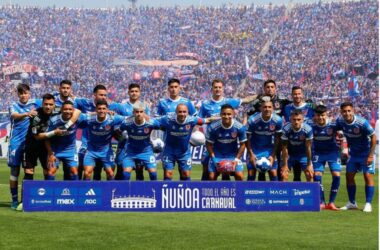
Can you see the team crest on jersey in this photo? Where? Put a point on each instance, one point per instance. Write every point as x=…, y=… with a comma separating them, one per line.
x=188, y=127
x=234, y=134
x=330, y=131
x=108, y=127
x=304, y=112
x=356, y=130
x=302, y=137
x=146, y=130
x=272, y=127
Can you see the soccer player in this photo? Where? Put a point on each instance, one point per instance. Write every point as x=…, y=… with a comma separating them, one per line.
x=279, y=103
x=264, y=136
x=307, y=110
x=20, y=113
x=178, y=130
x=297, y=139
x=361, y=141
x=63, y=148
x=212, y=107
x=168, y=105
x=134, y=93
x=325, y=150
x=100, y=128
x=89, y=106
x=139, y=145
x=226, y=141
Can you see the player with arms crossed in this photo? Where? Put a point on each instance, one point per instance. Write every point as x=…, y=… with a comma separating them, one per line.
x=223, y=138
x=100, y=129
x=63, y=148
x=264, y=136
x=211, y=108
x=361, y=141
x=20, y=113
x=325, y=150
x=139, y=147
x=178, y=130
x=297, y=139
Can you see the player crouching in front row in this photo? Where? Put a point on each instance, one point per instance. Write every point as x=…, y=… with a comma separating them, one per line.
x=223, y=137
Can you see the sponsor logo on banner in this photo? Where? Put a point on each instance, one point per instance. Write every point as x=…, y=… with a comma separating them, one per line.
x=65, y=191
x=90, y=202
x=278, y=202
x=41, y=191
x=65, y=201
x=278, y=192
x=254, y=202
x=301, y=192
x=301, y=202
x=90, y=192
x=38, y=202
x=254, y=192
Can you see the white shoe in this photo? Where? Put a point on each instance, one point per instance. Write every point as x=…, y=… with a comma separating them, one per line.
x=367, y=208
x=349, y=206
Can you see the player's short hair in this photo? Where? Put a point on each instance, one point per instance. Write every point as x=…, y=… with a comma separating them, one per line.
x=320, y=109
x=139, y=106
x=173, y=80
x=101, y=102
x=296, y=112
x=226, y=106
x=216, y=80
x=345, y=104
x=181, y=104
x=22, y=87
x=99, y=87
x=296, y=88
x=47, y=96
x=269, y=81
x=67, y=82
x=67, y=103
x=133, y=85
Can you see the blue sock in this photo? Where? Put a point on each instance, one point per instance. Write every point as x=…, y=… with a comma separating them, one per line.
x=140, y=176
x=153, y=176
x=86, y=178
x=186, y=178
x=204, y=176
x=126, y=176
x=351, y=190
x=318, y=178
x=74, y=177
x=50, y=177
x=251, y=177
x=334, y=188
x=167, y=179
x=273, y=178
x=14, y=193
x=369, y=190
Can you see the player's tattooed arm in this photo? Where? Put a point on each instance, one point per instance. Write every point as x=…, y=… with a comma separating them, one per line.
x=248, y=99
x=212, y=118
x=372, y=149
x=309, y=168
x=18, y=116
x=285, y=168
x=251, y=154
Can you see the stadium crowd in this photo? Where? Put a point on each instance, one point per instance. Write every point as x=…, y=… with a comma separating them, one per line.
x=314, y=45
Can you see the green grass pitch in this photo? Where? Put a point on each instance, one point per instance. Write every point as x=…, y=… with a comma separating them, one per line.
x=201, y=230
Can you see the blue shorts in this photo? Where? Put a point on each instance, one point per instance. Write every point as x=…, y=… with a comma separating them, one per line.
x=300, y=160
x=259, y=155
x=212, y=164
x=184, y=162
x=320, y=160
x=106, y=158
x=359, y=164
x=131, y=160
x=68, y=161
x=15, y=155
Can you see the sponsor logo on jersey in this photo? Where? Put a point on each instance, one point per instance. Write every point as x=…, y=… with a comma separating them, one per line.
x=234, y=134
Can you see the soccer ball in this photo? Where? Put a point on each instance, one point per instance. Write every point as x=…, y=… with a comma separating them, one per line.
x=158, y=145
x=225, y=166
x=263, y=164
x=197, y=139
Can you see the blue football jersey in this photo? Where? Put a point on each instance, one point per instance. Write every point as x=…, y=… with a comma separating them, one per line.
x=263, y=132
x=177, y=135
x=226, y=140
x=306, y=108
x=19, y=128
x=357, y=134
x=296, y=139
x=139, y=135
x=212, y=108
x=65, y=145
x=59, y=102
x=100, y=133
x=168, y=106
x=324, y=141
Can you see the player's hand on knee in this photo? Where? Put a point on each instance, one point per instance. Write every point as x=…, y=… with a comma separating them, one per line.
x=369, y=160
